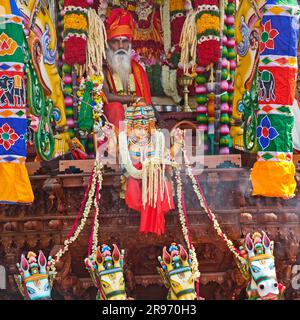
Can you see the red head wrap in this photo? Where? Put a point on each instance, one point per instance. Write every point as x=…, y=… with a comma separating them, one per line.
x=120, y=24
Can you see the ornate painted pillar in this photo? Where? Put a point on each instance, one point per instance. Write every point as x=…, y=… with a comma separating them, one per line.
x=273, y=173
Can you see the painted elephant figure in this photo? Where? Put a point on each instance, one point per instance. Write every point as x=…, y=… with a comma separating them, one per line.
x=11, y=88
x=266, y=85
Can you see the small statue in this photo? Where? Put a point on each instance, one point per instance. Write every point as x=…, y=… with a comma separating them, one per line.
x=146, y=161
x=148, y=34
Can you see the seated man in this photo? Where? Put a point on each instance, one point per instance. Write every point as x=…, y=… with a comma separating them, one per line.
x=125, y=81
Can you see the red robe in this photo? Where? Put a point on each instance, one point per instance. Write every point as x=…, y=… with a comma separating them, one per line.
x=152, y=219
x=114, y=111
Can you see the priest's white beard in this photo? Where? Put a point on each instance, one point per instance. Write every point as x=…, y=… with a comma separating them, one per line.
x=120, y=63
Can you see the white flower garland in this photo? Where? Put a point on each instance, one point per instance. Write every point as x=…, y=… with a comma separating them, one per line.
x=194, y=263
x=166, y=23
x=96, y=205
x=96, y=43
x=169, y=83
x=97, y=177
x=241, y=261
x=169, y=77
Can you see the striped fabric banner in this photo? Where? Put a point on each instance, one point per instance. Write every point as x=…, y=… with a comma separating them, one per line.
x=15, y=185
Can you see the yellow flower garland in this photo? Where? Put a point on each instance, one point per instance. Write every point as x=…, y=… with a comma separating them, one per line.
x=75, y=21
x=177, y=5
x=208, y=22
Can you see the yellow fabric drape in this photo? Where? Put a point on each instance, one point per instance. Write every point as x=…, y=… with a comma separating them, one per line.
x=14, y=184
x=274, y=179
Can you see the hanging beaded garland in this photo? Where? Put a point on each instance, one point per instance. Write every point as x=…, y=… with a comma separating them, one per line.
x=66, y=76
x=208, y=52
x=201, y=98
x=60, y=34
x=231, y=54
x=228, y=64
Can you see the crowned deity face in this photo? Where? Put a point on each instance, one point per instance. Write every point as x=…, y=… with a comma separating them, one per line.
x=141, y=131
x=145, y=3
x=144, y=9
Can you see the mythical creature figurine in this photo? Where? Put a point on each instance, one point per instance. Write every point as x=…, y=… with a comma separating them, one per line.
x=177, y=274
x=34, y=281
x=106, y=270
x=260, y=266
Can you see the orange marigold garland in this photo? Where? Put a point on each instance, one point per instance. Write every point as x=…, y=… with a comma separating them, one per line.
x=208, y=31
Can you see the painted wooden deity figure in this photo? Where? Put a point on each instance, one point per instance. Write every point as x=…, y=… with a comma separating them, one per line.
x=147, y=162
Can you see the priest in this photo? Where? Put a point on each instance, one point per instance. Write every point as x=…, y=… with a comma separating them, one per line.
x=125, y=81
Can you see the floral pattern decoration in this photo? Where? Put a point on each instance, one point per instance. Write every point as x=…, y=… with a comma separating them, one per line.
x=266, y=133
x=8, y=136
x=267, y=36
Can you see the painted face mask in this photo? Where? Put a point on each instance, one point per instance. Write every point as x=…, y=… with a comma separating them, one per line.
x=258, y=254
x=106, y=270
x=177, y=274
x=34, y=281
